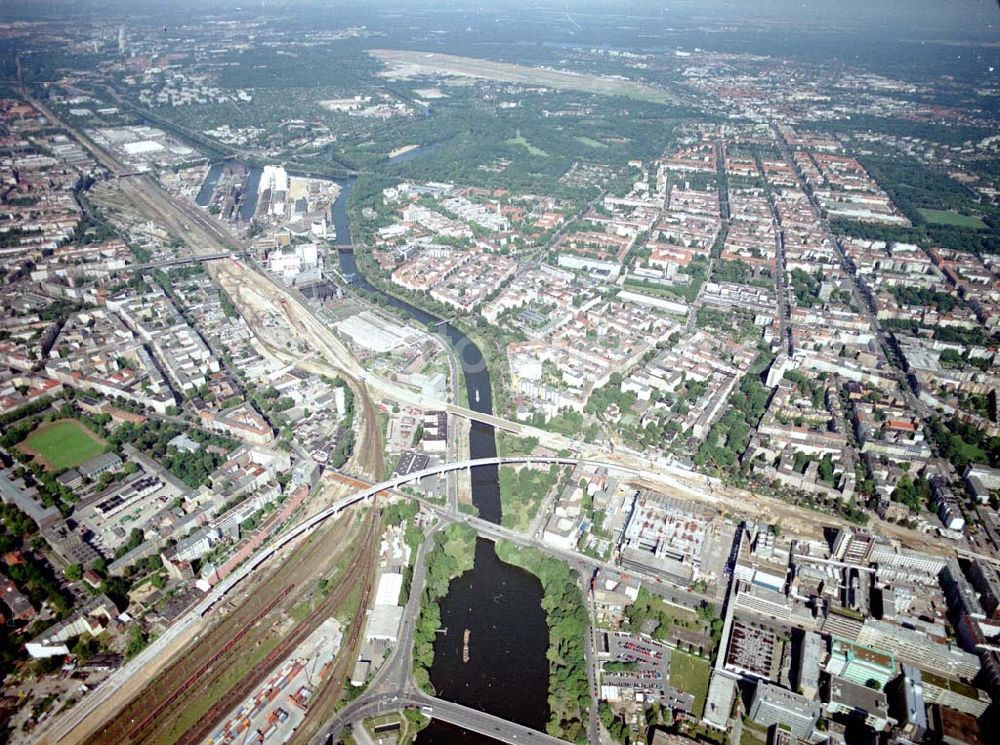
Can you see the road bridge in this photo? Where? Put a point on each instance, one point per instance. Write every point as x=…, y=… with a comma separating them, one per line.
x=483, y=527
x=393, y=687
x=476, y=416
x=220, y=590
x=59, y=728
x=436, y=708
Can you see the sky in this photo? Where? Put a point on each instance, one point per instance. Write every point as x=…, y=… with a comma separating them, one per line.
x=952, y=18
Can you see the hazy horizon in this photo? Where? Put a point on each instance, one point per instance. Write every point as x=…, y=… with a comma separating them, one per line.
x=974, y=17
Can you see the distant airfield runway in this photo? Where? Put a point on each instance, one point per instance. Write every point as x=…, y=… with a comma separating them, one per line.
x=404, y=63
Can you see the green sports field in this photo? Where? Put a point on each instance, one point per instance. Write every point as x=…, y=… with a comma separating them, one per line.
x=947, y=217
x=64, y=443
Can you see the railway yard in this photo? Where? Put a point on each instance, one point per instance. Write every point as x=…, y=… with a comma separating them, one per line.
x=224, y=657
x=252, y=635
x=263, y=302
x=287, y=323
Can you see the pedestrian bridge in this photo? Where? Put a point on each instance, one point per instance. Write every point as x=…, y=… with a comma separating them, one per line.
x=181, y=260
x=476, y=416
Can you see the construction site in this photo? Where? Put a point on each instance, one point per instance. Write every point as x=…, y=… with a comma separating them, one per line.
x=206, y=672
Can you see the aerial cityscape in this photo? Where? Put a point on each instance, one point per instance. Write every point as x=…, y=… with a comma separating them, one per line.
x=527, y=372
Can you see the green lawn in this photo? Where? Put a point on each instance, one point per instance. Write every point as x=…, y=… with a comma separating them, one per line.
x=523, y=142
x=947, y=217
x=648, y=288
x=589, y=142
x=690, y=674
x=64, y=443
x=750, y=737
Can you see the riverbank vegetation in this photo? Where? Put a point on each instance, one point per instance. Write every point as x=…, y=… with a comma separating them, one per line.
x=566, y=617
x=491, y=341
x=508, y=444
x=453, y=554
x=522, y=491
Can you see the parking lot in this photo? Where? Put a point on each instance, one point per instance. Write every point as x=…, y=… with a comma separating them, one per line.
x=638, y=667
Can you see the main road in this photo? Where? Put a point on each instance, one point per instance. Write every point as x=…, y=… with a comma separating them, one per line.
x=393, y=688
x=865, y=301
x=206, y=235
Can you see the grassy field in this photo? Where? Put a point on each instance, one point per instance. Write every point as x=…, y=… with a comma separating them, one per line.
x=64, y=443
x=409, y=723
x=523, y=142
x=690, y=674
x=596, y=144
x=947, y=217
x=637, y=285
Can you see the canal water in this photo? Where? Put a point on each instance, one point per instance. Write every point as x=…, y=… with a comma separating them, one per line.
x=249, y=205
x=500, y=605
x=208, y=185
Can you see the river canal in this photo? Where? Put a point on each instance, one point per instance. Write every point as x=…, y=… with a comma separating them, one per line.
x=249, y=205
x=500, y=605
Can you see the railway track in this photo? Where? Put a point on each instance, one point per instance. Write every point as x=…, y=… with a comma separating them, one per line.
x=371, y=457
x=193, y=678
x=215, y=649
x=332, y=689
x=358, y=570
x=369, y=453
x=179, y=679
x=204, y=236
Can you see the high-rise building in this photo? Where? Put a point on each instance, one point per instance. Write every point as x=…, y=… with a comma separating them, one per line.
x=776, y=705
x=906, y=703
x=810, y=653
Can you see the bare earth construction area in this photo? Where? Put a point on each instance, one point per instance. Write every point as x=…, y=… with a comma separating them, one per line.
x=409, y=64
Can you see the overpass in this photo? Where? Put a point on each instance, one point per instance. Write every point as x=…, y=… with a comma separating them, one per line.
x=476, y=416
x=220, y=590
x=393, y=687
x=482, y=526
x=181, y=260
x=55, y=729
